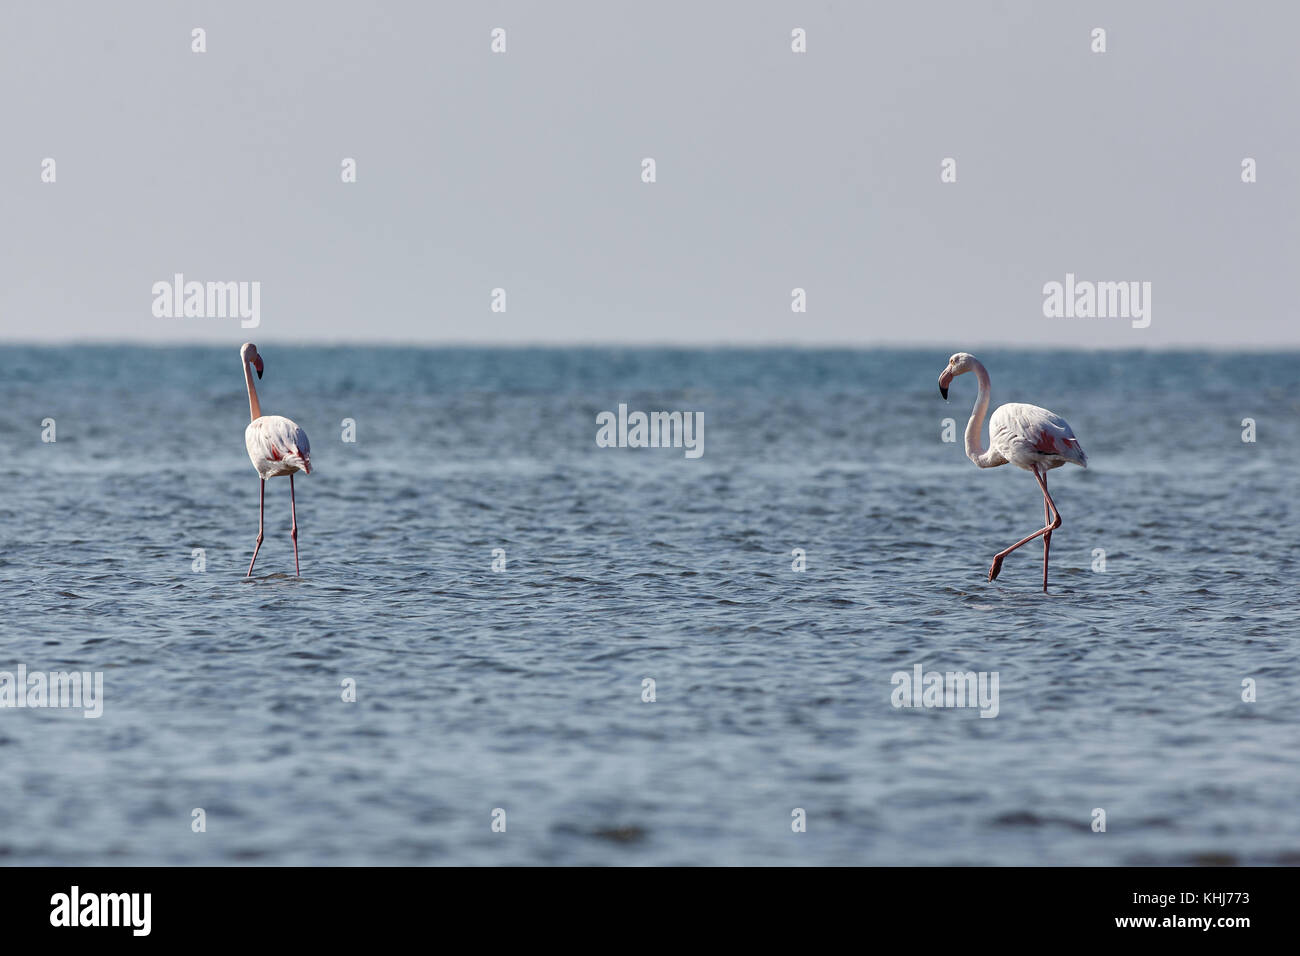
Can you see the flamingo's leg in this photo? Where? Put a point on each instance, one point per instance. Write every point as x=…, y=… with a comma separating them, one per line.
x=1047, y=542
x=293, y=532
x=1052, y=525
x=261, y=508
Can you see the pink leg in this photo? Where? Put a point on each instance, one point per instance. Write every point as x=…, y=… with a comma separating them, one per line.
x=293, y=532
x=1052, y=526
x=1047, y=539
x=261, y=508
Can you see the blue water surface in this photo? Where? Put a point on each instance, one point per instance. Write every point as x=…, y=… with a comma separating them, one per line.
x=522, y=690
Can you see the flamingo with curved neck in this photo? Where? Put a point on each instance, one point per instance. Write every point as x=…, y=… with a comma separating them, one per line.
x=276, y=446
x=1027, y=436
x=974, y=447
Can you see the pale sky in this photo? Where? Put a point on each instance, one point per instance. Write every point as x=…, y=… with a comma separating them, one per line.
x=775, y=170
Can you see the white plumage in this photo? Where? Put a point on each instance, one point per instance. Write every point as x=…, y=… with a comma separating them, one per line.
x=1026, y=435
x=277, y=446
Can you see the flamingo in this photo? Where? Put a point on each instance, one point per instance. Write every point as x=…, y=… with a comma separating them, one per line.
x=276, y=445
x=1025, y=435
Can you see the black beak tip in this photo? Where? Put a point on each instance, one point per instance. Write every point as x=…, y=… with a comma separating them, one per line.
x=259, y=375
x=944, y=392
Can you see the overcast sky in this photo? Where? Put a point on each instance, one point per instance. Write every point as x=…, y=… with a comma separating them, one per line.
x=775, y=170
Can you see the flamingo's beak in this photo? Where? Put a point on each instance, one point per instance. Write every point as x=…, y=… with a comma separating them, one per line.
x=944, y=381
x=257, y=364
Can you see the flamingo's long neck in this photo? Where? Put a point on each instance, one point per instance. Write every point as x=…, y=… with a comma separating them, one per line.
x=974, y=448
x=254, y=409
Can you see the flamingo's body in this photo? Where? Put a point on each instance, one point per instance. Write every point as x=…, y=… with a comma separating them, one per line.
x=1027, y=436
x=276, y=446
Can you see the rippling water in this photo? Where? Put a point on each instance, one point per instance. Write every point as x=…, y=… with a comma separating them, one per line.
x=522, y=690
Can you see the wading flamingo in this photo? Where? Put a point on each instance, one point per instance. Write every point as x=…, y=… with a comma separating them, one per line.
x=276, y=446
x=1033, y=438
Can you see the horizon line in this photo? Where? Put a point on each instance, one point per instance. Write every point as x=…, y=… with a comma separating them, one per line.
x=721, y=345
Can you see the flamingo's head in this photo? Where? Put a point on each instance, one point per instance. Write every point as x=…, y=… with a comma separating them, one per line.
x=961, y=362
x=248, y=352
